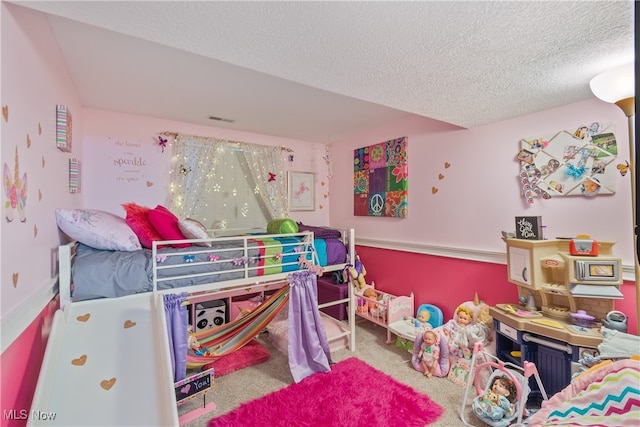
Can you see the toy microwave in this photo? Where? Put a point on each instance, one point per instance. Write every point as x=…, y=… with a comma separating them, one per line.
x=583, y=247
x=598, y=270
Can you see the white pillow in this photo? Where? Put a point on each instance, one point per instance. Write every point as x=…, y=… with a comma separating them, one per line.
x=98, y=229
x=193, y=229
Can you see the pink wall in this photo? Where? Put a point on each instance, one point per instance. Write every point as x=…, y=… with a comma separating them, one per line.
x=447, y=282
x=444, y=282
x=20, y=366
x=34, y=80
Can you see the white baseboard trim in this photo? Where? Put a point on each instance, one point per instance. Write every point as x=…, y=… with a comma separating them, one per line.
x=18, y=320
x=628, y=271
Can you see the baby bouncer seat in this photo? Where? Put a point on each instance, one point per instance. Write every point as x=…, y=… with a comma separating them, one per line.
x=501, y=398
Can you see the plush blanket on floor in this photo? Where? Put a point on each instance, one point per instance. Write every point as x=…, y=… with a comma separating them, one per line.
x=606, y=396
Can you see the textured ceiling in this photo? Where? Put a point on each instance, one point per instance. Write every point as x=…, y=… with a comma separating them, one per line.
x=320, y=71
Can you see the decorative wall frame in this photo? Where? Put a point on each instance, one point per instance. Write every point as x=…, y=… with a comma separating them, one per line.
x=380, y=181
x=301, y=190
x=578, y=163
x=74, y=176
x=63, y=128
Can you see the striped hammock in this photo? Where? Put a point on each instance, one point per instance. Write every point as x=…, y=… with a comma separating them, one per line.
x=234, y=335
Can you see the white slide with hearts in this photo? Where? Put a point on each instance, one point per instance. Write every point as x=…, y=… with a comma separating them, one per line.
x=107, y=363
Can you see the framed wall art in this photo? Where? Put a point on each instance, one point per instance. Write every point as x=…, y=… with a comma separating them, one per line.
x=63, y=128
x=301, y=189
x=380, y=181
x=74, y=176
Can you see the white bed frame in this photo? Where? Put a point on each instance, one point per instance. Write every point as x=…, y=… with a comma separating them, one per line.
x=93, y=372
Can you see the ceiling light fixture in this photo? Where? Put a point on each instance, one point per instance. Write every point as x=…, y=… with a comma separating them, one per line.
x=617, y=86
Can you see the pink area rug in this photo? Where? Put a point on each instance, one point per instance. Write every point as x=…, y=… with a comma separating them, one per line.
x=249, y=355
x=352, y=394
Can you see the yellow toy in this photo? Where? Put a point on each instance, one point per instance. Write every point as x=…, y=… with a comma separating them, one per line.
x=356, y=274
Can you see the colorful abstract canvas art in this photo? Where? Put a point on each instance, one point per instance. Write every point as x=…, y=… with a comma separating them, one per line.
x=380, y=179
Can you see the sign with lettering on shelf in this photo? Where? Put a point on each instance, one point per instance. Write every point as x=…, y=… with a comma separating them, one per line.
x=529, y=227
x=193, y=386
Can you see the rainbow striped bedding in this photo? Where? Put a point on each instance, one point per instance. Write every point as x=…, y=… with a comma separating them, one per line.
x=606, y=396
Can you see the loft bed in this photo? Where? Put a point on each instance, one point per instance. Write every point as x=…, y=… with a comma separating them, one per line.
x=93, y=369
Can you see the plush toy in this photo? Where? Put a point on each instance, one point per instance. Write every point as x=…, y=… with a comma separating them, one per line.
x=355, y=274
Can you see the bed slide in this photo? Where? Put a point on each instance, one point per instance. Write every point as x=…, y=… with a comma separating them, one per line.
x=107, y=364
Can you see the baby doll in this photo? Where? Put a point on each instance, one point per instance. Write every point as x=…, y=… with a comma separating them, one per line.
x=429, y=352
x=498, y=401
x=455, y=330
x=422, y=321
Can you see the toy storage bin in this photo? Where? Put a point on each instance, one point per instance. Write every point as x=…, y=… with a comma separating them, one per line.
x=328, y=292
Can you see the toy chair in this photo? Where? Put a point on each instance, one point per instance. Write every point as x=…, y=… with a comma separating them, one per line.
x=436, y=319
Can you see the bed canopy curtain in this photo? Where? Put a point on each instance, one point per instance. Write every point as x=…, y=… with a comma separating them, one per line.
x=308, y=346
x=201, y=169
x=176, y=317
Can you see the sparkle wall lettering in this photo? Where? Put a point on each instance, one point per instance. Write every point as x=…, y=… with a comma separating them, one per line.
x=129, y=162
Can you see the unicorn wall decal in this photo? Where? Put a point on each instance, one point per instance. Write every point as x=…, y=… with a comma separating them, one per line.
x=15, y=188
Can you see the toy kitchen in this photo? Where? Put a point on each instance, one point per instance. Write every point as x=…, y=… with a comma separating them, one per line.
x=566, y=290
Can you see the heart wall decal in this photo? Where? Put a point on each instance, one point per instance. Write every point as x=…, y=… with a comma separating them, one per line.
x=84, y=317
x=149, y=183
x=80, y=360
x=440, y=177
x=14, y=278
x=107, y=384
x=28, y=141
x=129, y=324
x=447, y=165
x=434, y=190
x=5, y=112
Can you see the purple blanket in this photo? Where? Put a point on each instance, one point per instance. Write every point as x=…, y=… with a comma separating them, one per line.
x=320, y=232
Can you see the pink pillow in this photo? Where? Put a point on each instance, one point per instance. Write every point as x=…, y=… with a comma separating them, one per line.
x=139, y=222
x=167, y=225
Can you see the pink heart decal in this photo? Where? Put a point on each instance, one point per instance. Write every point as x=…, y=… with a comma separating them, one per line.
x=186, y=389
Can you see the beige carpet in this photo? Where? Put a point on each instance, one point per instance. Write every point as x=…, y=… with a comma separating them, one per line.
x=255, y=381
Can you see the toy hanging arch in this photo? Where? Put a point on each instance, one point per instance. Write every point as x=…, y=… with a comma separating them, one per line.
x=227, y=338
